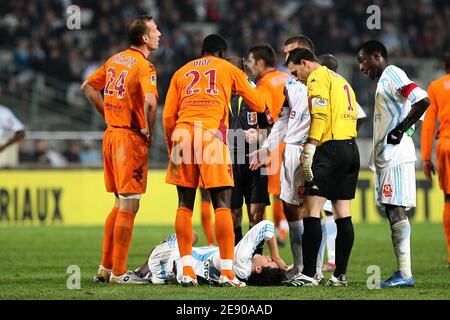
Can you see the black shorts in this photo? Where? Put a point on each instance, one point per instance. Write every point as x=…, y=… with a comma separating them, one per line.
x=335, y=168
x=248, y=184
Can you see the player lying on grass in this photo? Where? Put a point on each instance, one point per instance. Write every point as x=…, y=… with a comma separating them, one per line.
x=164, y=263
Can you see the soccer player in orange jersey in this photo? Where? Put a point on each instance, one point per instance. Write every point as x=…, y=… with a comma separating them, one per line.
x=262, y=61
x=439, y=94
x=128, y=80
x=195, y=120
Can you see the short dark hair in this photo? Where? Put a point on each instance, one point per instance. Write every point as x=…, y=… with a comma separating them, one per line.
x=299, y=54
x=267, y=277
x=265, y=53
x=329, y=61
x=302, y=40
x=214, y=43
x=373, y=46
x=136, y=28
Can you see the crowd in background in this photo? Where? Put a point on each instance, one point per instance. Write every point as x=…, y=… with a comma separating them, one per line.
x=37, y=38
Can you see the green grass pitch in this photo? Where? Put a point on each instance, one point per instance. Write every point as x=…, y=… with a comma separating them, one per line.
x=34, y=260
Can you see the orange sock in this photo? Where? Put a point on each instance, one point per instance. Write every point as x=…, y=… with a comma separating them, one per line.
x=277, y=207
x=225, y=239
x=123, y=233
x=206, y=222
x=446, y=223
x=108, y=239
x=183, y=229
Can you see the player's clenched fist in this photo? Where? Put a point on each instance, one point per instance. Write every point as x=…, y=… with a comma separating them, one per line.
x=306, y=161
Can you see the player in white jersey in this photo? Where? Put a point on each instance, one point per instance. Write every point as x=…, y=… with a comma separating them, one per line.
x=12, y=131
x=399, y=104
x=164, y=264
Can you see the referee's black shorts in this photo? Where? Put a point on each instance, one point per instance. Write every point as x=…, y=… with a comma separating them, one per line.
x=249, y=185
x=335, y=169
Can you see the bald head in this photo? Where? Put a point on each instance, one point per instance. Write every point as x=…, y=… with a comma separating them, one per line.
x=329, y=61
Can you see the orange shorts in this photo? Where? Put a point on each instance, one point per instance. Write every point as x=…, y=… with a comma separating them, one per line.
x=198, y=158
x=274, y=179
x=125, y=159
x=443, y=164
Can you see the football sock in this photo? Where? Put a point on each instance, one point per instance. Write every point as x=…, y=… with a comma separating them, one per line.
x=277, y=208
x=295, y=237
x=401, y=233
x=206, y=222
x=123, y=233
x=237, y=235
x=344, y=242
x=312, y=237
x=446, y=222
x=225, y=238
x=108, y=239
x=321, y=254
x=331, y=238
x=284, y=228
x=183, y=230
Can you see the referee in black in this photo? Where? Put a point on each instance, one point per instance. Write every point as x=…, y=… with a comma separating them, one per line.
x=243, y=137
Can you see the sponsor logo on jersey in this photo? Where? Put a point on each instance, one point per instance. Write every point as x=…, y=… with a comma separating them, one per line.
x=349, y=116
x=319, y=102
x=252, y=118
x=387, y=190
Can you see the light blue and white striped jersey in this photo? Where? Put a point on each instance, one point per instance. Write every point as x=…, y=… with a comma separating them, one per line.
x=206, y=260
x=391, y=107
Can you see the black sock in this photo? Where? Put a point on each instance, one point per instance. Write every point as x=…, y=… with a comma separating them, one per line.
x=344, y=243
x=311, y=239
x=237, y=235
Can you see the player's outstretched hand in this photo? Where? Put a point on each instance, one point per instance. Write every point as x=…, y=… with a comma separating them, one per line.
x=395, y=136
x=306, y=161
x=428, y=169
x=251, y=136
x=258, y=158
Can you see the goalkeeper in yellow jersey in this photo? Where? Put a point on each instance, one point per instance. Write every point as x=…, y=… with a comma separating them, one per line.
x=330, y=162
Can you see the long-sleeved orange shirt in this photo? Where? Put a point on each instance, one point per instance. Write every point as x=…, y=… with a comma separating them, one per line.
x=200, y=92
x=439, y=94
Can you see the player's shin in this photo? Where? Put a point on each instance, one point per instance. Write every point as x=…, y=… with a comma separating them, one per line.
x=108, y=239
x=295, y=237
x=206, y=222
x=225, y=239
x=123, y=233
x=183, y=230
x=446, y=223
x=312, y=237
x=344, y=244
x=401, y=233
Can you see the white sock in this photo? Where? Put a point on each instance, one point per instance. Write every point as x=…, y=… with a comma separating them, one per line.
x=295, y=237
x=186, y=261
x=321, y=254
x=401, y=234
x=331, y=238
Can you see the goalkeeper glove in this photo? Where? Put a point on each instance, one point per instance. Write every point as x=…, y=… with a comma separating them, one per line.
x=306, y=161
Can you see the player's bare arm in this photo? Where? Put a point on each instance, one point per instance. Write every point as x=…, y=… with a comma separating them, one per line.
x=95, y=97
x=275, y=254
x=150, y=107
x=417, y=110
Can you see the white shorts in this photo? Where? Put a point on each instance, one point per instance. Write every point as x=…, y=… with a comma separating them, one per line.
x=161, y=260
x=396, y=185
x=291, y=178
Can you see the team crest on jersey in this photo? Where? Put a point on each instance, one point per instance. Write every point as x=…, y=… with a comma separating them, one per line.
x=252, y=118
x=153, y=80
x=319, y=102
x=387, y=190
